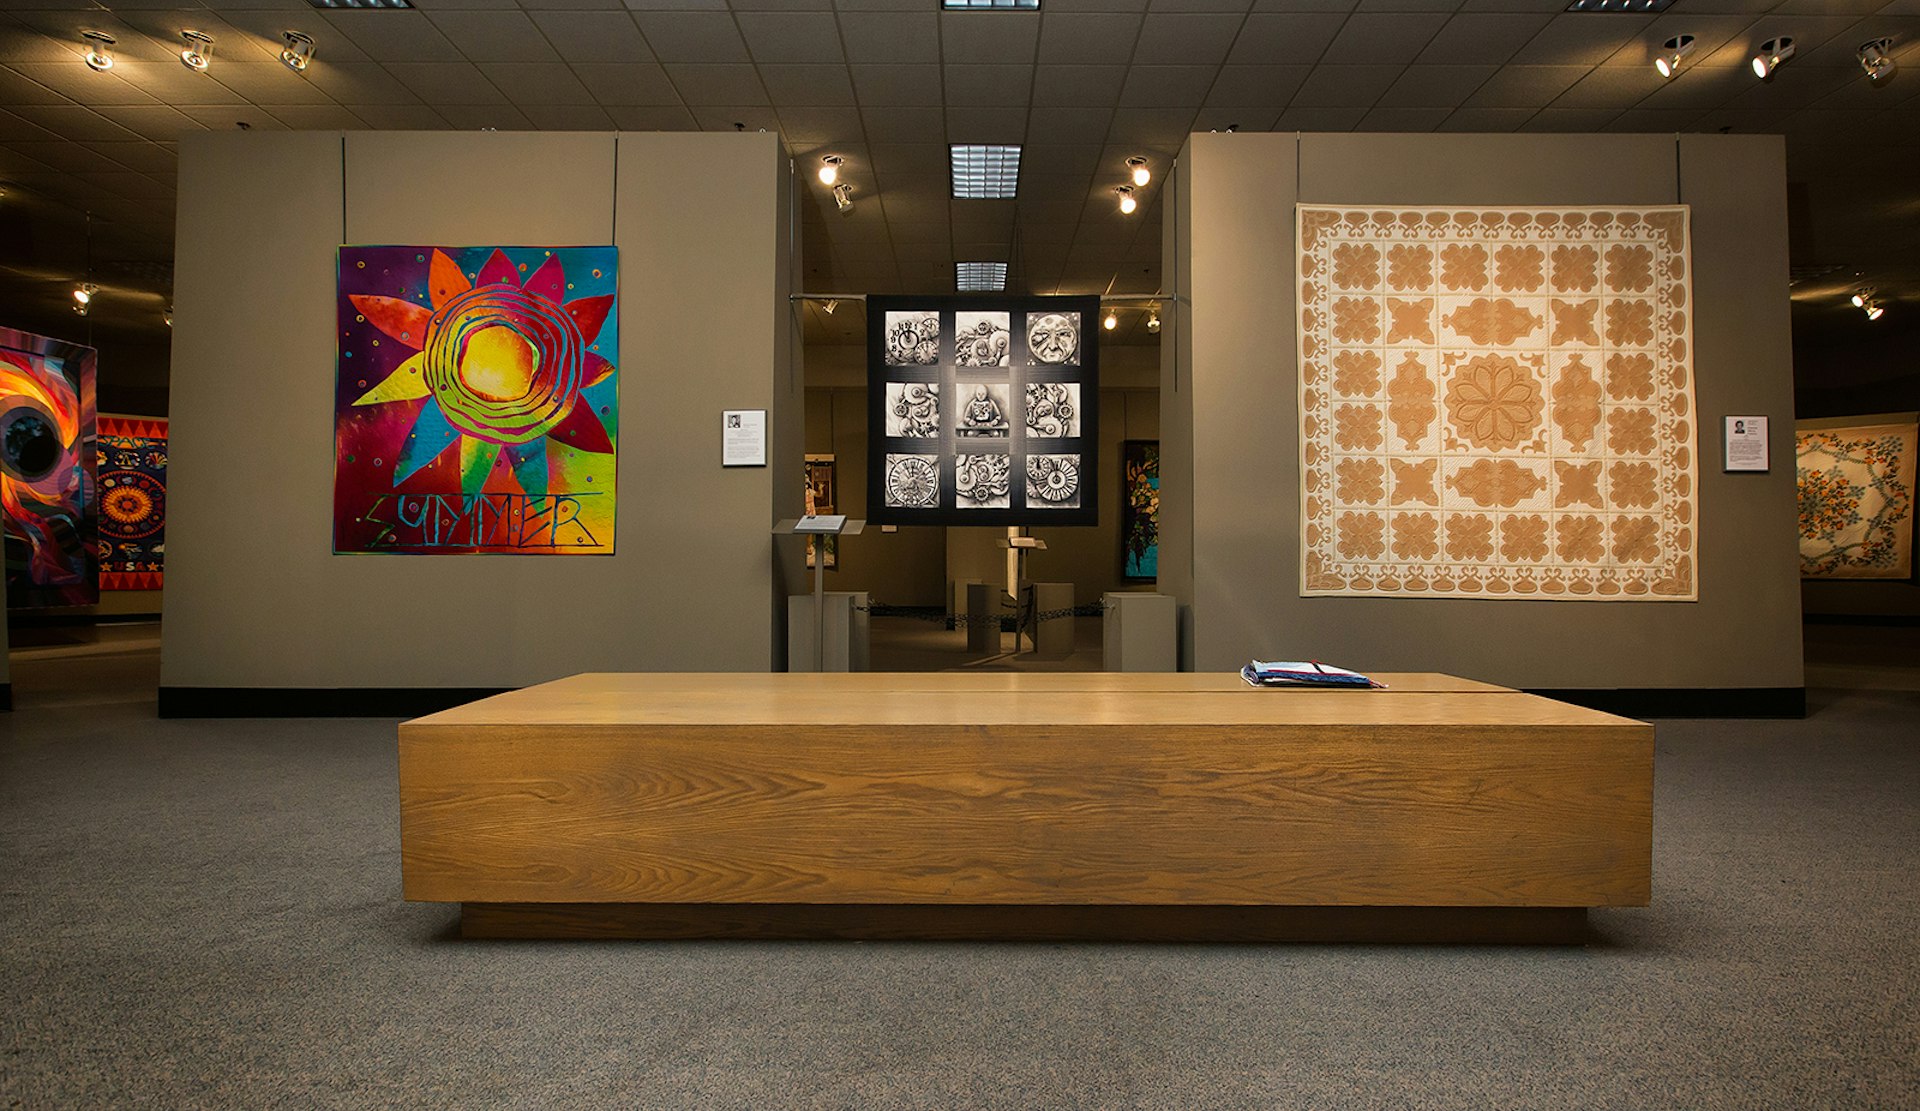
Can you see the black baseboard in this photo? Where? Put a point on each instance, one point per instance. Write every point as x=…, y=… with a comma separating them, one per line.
x=6, y=697
x=1687, y=702
x=315, y=702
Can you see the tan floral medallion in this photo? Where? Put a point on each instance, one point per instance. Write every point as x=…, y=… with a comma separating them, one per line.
x=1511, y=405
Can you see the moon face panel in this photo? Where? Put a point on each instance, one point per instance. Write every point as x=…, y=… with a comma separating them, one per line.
x=1053, y=339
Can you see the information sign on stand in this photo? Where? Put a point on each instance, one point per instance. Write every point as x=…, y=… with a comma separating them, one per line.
x=819, y=525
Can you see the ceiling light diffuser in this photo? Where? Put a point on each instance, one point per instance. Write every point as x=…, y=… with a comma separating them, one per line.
x=99, y=49
x=1673, y=52
x=198, y=53
x=985, y=171
x=980, y=277
x=1773, y=53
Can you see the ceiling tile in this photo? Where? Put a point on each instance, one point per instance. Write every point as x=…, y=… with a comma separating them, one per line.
x=628, y=117
x=1085, y=39
x=1653, y=121
x=1236, y=117
x=495, y=36
x=227, y=117
x=146, y=157
x=906, y=125
x=1403, y=119
x=483, y=117
x=1530, y=87
x=1477, y=38
x=594, y=36
x=1159, y=127
x=400, y=117
x=1183, y=39
x=1257, y=85
x=1570, y=119
x=628, y=84
x=819, y=125
x=1434, y=86
x=329, y=44
x=901, y=37
x=1065, y=129
x=1375, y=39
x=442, y=83
x=71, y=121
x=1583, y=40
x=987, y=38
x=393, y=36
x=1345, y=86
x=1487, y=119
x=544, y=83
x=57, y=154
x=1616, y=87
x=692, y=36
x=269, y=83
x=988, y=86
x=64, y=83
x=897, y=86
x=173, y=83
x=1270, y=38
x=798, y=37
x=1792, y=87
x=359, y=83
x=1077, y=86
x=568, y=117
x=717, y=85
x=1319, y=118
x=1165, y=86
x=155, y=122
x=986, y=125
x=1065, y=159
x=1699, y=88
x=317, y=117
x=825, y=85
x=737, y=117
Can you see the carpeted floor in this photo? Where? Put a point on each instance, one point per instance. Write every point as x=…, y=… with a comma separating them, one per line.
x=207, y=914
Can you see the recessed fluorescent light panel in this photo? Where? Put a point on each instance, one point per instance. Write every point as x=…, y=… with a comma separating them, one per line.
x=990, y=5
x=985, y=172
x=1635, y=7
x=980, y=277
x=363, y=4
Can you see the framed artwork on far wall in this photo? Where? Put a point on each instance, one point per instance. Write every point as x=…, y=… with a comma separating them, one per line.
x=47, y=471
x=823, y=498
x=1140, y=510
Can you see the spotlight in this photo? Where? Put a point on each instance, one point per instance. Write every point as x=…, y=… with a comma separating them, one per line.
x=169, y=316
x=297, y=52
x=829, y=305
x=83, y=297
x=1138, y=166
x=1127, y=203
x=1876, y=58
x=198, y=53
x=1773, y=53
x=1867, y=303
x=843, y=197
x=1674, y=50
x=1153, y=320
x=830, y=168
x=1112, y=321
x=99, y=50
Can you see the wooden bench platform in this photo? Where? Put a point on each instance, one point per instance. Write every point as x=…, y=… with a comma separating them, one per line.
x=957, y=804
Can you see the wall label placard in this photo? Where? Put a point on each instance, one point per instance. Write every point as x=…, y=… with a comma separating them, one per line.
x=983, y=410
x=1746, y=444
x=743, y=438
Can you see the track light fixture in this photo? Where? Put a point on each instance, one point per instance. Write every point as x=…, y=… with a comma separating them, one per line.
x=1773, y=54
x=1112, y=321
x=1153, y=318
x=1673, y=52
x=1127, y=203
x=198, y=53
x=843, y=197
x=297, y=51
x=1867, y=303
x=829, y=305
x=83, y=297
x=99, y=49
x=1137, y=167
x=1876, y=58
x=830, y=168
x=169, y=316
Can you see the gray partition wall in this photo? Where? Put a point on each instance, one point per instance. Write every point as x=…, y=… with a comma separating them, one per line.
x=1230, y=473
x=257, y=600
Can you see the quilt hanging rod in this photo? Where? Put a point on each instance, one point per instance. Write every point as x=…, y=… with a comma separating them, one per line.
x=1105, y=298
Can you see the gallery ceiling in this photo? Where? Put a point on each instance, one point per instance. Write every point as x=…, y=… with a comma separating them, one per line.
x=88, y=158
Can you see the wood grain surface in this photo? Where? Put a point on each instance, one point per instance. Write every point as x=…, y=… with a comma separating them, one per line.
x=595, y=790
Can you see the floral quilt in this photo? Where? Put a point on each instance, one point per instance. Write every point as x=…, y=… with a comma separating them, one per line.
x=1856, y=501
x=1496, y=403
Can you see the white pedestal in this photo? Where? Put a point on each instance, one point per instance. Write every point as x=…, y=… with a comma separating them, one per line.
x=1140, y=632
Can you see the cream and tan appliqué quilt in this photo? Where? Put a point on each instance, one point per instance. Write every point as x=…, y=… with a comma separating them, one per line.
x=1496, y=402
x=1856, y=500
